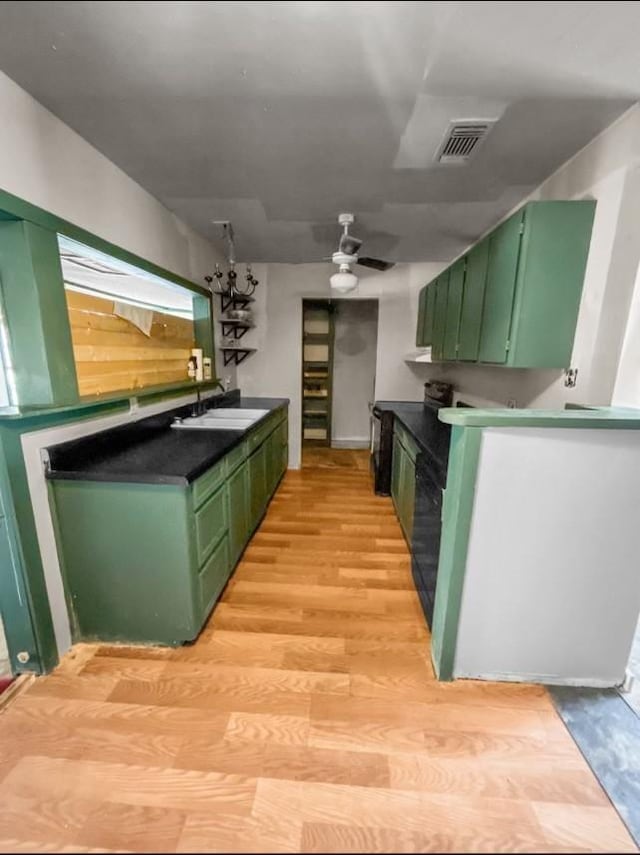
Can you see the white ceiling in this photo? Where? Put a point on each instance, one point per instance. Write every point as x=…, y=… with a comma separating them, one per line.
x=280, y=115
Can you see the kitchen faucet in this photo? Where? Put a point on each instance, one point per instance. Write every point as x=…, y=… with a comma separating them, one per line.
x=200, y=407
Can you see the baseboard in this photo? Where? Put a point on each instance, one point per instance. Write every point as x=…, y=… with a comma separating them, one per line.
x=350, y=443
x=545, y=679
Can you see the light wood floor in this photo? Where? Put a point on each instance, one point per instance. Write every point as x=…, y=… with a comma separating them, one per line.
x=317, y=457
x=306, y=718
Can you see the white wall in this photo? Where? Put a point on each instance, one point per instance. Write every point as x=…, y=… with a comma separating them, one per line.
x=276, y=368
x=354, y=371
x=45, y=162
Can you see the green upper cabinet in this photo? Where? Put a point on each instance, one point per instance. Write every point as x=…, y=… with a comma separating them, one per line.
x=454, y=307
x=441, y=287
x=472, y=302
x=553, y=259
x=504, y=248
x=422, y=303
x=516, y=303
x=429, y=312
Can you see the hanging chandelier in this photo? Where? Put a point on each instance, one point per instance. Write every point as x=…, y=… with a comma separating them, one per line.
x=227, y=284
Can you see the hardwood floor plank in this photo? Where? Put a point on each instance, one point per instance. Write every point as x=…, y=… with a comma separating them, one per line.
x=35, y=777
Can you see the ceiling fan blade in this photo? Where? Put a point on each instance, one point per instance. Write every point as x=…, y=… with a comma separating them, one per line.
x=349, y=244
x=375, y=263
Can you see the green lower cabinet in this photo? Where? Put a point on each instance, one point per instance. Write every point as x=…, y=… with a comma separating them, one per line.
x=403, y=479
x=257, y=466
x=238, y=495
x=129, y=559
x=213, y=575
x=145, y=563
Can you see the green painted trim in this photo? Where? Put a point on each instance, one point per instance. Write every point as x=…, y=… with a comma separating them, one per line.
x=36, y=316
x=93, y=405
x=14, y=599
x=456, y=525
x=18, y=209
x=28, y=563
x=203, y=327
x=610, y=418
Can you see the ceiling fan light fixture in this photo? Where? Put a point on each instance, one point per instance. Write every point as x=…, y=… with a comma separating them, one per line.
x=344, y=280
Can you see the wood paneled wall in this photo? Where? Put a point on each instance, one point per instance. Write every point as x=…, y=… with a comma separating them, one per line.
x=111, y=354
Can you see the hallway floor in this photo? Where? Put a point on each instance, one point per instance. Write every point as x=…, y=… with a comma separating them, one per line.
x=305, y=718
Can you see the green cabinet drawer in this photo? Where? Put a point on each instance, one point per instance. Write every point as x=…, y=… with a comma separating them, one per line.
x=440, y=316
x=472, y=302
x=454, y=308
x=205, y=485
x=238, y=497
x=502, y=267
x=213, y=576
x=211, y=523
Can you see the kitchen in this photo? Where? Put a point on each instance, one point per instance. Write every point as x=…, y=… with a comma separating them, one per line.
x=200, y=577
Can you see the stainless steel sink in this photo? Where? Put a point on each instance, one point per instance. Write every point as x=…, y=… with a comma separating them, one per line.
x=232, y=418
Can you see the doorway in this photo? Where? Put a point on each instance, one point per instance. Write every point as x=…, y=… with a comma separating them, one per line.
x=339, y=341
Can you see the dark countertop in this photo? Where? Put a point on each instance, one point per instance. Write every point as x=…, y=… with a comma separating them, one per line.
x=431, y=435
x=150, y=451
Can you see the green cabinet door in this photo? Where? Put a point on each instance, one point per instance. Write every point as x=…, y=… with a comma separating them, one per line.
x=472, y=302
x=454, y=307
x=440, y=316
x=421, y=313
x=429, y=311
x=238, y=493
x=396, y=468
x=408, y=493
x=553, y=259
x=257, y=485
x=502, y=268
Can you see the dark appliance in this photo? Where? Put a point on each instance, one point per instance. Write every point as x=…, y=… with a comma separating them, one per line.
x=381, y=449
x=438, y=392
x=431, y=480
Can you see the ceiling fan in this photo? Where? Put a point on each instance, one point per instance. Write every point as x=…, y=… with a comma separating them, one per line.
x=347, y=254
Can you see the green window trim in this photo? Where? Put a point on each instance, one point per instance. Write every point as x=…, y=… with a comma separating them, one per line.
x=34, y=305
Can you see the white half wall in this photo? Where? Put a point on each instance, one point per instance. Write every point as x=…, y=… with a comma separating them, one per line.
x=562, y=608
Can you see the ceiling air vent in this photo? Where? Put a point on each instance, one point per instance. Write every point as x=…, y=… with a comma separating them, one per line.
x=463, y=139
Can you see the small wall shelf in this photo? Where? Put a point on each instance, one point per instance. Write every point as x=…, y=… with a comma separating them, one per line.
x=236, y=355
x=235, y=328
x=234, y=301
